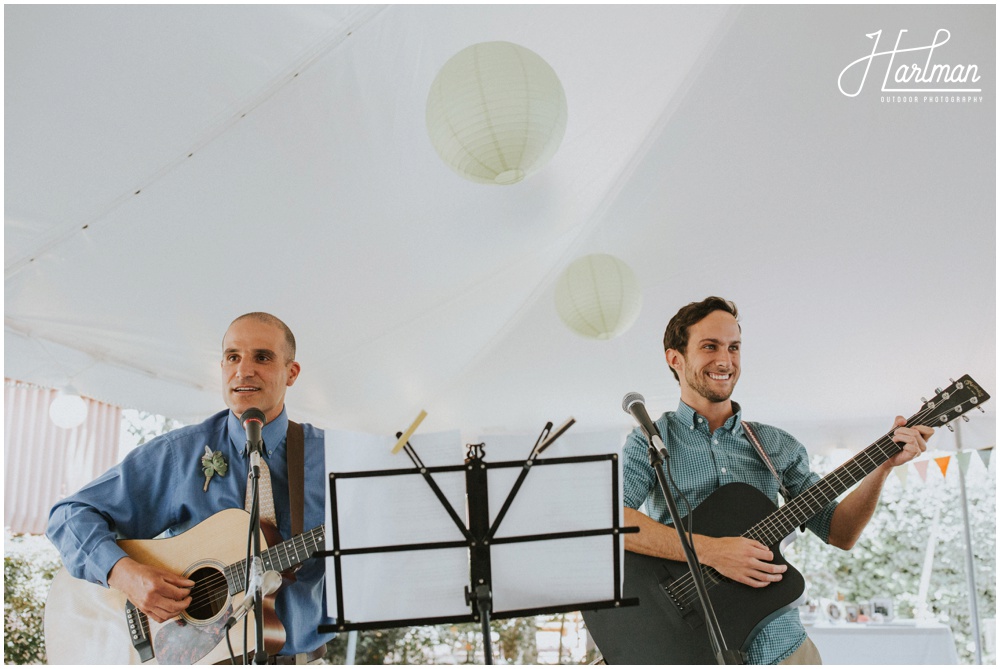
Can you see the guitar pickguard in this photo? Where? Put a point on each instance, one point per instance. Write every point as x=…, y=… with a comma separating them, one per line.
x=180, y=642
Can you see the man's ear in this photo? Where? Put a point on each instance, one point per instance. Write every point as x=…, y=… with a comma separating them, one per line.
x=674, y=359
x=293, y=372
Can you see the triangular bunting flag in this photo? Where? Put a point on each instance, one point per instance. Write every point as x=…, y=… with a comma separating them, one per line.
x=984, y=455
x=963, y=461
x=943, y=464
x=921, y=469
x=901, y=472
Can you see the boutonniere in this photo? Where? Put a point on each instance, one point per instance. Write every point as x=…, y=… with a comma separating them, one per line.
x=213, y=463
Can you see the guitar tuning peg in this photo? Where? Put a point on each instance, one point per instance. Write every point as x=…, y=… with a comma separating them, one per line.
x=937, y=391
x=965, y=418
x=952, y=380
x=923, y=400
x=950, y=428
x=981, y=409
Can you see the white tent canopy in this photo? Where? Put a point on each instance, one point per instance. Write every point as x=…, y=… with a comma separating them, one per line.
x=171, y=167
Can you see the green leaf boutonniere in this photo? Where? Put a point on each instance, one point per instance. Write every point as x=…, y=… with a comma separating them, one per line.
x=213, y=463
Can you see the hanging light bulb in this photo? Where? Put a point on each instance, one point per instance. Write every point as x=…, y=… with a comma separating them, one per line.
x=598, y=297
x=496, y=112
x=68, y=409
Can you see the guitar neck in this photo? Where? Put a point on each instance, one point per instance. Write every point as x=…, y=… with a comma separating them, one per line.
x=280, y=557
x=796, y=512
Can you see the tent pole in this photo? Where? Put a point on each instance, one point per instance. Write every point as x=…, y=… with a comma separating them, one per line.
x=969, y=565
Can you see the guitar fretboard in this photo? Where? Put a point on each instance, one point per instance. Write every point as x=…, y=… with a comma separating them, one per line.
x=780, y=524
x=279, y=558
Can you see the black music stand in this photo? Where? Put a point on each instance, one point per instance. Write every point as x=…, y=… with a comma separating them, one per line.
x=475, y=555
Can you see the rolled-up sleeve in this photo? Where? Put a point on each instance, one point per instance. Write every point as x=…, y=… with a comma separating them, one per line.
x=638, y=477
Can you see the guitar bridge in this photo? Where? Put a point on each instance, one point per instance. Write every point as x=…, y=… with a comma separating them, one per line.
x=138, y=628
x=677, y=600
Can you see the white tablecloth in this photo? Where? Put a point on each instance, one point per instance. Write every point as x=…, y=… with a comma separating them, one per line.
x=884, y=643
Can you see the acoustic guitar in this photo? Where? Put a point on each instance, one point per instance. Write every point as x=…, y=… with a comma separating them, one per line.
x=667, y=627
x=89, y=624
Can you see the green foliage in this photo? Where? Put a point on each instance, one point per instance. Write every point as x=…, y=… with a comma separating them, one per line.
x=513, y=643
x=28, y=567
x=143, y=426
x=888, y=559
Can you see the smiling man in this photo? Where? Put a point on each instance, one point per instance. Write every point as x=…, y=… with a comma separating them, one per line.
x=163, y=488
x=709, y=448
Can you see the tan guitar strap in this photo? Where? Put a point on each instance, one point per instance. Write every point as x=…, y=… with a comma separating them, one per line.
x=295, y=445
x=755, y=440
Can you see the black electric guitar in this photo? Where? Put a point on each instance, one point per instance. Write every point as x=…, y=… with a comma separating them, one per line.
x=667, y=626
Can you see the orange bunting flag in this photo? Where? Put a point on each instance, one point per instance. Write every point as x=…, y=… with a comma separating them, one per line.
x=963, y=461
x=943, y=464
x=921, y=469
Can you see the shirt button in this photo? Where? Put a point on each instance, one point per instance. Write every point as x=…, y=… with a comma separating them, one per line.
x=723, y=470
x=715, y=441
x=699, y=420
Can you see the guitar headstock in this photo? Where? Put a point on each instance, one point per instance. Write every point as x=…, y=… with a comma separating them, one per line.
x=948, y=404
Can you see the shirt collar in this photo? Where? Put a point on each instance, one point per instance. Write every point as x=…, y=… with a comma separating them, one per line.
x=690, y=418
x=273, y=433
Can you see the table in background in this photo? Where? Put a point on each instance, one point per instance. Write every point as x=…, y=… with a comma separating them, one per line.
x=884, y=643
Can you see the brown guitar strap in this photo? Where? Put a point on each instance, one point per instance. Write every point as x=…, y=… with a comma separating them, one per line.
x=295, y=445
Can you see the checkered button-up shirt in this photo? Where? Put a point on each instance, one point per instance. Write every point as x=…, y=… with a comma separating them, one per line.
x=700, y=463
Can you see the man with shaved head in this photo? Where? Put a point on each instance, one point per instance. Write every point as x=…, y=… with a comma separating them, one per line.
x=161, y=488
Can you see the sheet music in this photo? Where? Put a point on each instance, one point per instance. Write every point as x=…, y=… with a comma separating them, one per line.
x=396, y=510
x=401, y=509
x=554, y=498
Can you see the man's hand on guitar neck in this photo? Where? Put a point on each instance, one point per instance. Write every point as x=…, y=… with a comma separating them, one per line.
x=913, y=440
x=158, y=593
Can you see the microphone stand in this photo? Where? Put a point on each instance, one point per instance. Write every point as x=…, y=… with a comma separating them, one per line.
x=260, y=655
x=723, y=655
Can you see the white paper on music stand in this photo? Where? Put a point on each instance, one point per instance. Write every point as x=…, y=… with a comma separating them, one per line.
x=393, y=510
x=396, y=510
x=566, y=497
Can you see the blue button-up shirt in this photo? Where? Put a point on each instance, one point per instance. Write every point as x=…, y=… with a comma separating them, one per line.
x=702, y=461
x=157, y=490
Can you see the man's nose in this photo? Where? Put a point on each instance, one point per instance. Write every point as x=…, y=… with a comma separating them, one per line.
x=245, y=369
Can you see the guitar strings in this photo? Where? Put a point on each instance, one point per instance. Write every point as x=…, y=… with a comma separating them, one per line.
x=684, y=587
x=215, y=588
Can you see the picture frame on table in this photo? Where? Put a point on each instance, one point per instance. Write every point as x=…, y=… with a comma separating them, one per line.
x=882, y=609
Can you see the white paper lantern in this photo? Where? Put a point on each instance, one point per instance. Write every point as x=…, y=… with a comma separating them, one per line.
x=597, y=296
x=496, y=112
x=68, y=409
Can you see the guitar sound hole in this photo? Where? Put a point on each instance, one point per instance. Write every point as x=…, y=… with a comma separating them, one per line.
x=209, y=594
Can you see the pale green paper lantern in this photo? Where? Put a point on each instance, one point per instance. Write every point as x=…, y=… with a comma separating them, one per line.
x=496, y=113
x=598, y=296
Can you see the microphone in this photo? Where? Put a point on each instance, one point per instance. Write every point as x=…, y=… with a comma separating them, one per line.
x=635, y=404
x=270, y=582
x=252, y=421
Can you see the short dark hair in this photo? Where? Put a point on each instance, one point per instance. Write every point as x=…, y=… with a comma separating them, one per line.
x=264, y=317
x=676, y=335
